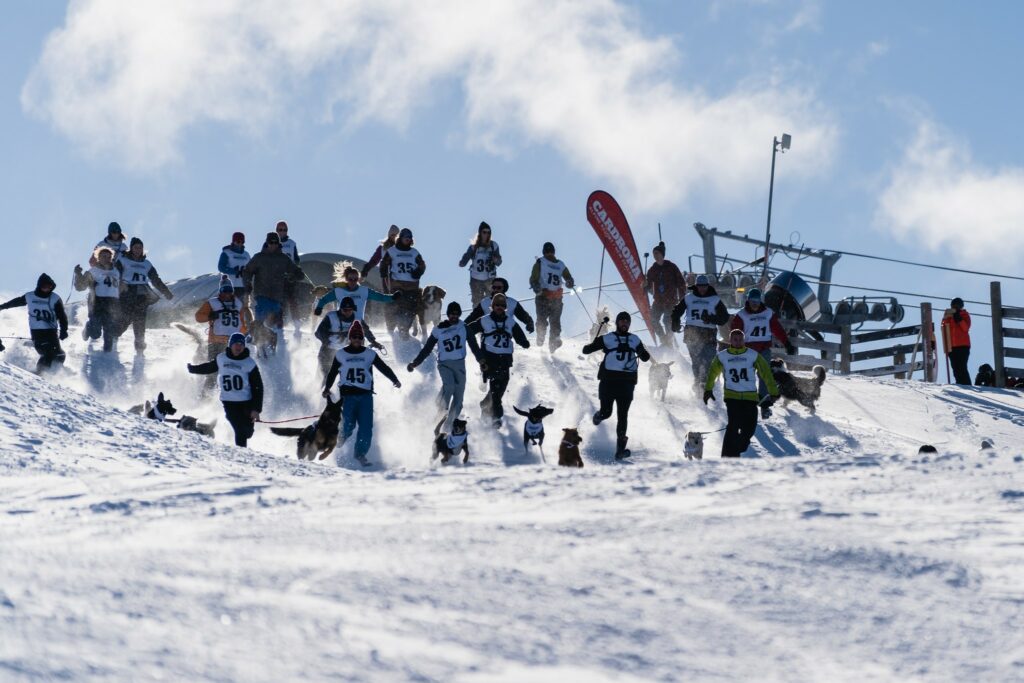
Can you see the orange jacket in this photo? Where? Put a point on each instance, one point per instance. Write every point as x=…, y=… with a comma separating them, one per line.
x=959, y=332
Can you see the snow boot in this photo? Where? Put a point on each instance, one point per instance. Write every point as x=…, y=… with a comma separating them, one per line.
x=620, y=448
x=555, y=344
x=597, y=419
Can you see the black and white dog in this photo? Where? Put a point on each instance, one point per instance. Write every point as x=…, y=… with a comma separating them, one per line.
x=803, y=390
x=318, y=439
x=533, y=429
x=161, y=408
x=448, y=445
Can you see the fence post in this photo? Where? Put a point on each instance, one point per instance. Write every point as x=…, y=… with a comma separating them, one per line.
x=996, y=295
x=845, y=349
x=928, y=342
x=897, y=360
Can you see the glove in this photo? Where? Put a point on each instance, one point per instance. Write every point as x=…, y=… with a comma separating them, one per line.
x=536, y=289
x=78, y=270
x=318, y=311
x=708, y=395
x=63, y=334
x=254, y=416
x=790, y=348
x=704, y=317
x=189, y=366
x=956, y=316
x=376, y=345
x=677, y=326
x=397, y=384
x=483, y=367
x=529, y=328
x=410, y=367
x=768, y=401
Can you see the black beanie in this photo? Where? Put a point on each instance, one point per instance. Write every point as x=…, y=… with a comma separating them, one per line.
x=956, y=303
x=454, y=308
x=548, y=248
x=134, y=241
x=623, y=316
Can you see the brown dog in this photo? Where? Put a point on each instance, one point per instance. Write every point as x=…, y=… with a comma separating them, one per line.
x=428, y=308
x=569, y=449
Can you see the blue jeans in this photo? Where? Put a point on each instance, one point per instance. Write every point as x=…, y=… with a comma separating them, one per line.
x=358, y=410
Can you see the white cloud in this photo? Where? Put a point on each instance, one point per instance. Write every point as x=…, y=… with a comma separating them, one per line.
x=127, y=80
x=940, y=198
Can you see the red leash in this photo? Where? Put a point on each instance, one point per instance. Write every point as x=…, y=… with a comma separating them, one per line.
x=294, y=419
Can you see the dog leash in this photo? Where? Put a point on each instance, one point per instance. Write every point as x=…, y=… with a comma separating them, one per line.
x=714, y=432
x=294, y=419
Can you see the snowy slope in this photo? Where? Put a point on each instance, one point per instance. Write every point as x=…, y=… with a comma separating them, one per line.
x=133, y=551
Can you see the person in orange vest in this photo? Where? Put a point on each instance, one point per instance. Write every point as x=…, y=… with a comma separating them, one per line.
x=956, y=326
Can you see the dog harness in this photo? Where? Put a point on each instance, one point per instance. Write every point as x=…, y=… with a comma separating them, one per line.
x=455, y=442
x=534, y=430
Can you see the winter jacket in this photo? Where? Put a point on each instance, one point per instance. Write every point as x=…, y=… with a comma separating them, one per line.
x=141, y=289
x=268, y=273
x=775, y=325
x=58, y=305
x=719, y=317
x=761, y=367
x=666, y=283
x=959, y=324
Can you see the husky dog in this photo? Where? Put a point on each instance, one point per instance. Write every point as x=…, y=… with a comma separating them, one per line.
x=533, y=429
x=658, y=377
x=319, y=438
x=448, y=445
x=569, y=449
x=693, y=447
x=803, y=390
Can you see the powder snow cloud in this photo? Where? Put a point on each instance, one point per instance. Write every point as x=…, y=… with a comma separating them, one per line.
x=126, y=81
x=939, y=197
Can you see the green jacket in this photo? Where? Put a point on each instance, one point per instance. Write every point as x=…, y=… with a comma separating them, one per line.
x=762, y=368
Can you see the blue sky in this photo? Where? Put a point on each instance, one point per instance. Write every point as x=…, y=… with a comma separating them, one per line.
x=186, y=121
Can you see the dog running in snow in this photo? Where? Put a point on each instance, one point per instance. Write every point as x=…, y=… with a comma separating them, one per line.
x=693, y=447
x=161, y=408
x=428, y=308
x=569, y=448
x=533, y=428
x=318, y=439
x=803, y=390
x=448, y=445
x=658, y=377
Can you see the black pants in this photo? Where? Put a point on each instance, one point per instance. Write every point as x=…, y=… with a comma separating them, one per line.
x=497, y=376
x=958, y=361
x=47, y=344
x=741, y=426
x=133, y=314
x=549, y=316
x=621, y=394
x=239, y=415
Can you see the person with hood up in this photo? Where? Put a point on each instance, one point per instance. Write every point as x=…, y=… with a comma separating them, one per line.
x=667, y=286
x=47, y=321
x=351, y=287
x=226, y=315
x=114, y=241
x=378, y=253
x=759, y=323
x=956, y=326
x=617, y=376
x=515, y=309
x=232, y=262
x=738, y=364
x=483, y=257
x=450, y=337
x=103, y=281
x=353, y=368
x=497, y=332
x=241, y=386
x=266, y=277
x=401, y=268
x=704, y=312
x=136, y=296
x=333, y=332
x=546, y=282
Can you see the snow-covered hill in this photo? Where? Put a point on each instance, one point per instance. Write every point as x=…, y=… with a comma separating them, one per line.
x=132, y=551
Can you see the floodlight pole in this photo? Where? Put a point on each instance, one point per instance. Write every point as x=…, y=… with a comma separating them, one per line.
x=777, y=145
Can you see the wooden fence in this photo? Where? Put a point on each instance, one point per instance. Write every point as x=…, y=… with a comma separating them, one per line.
x=914, y=352
x=1000, y=351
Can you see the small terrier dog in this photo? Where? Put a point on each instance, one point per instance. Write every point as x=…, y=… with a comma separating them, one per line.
x=448, y=445
x=693, y=447
x=569, y=449
x=533, y=429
